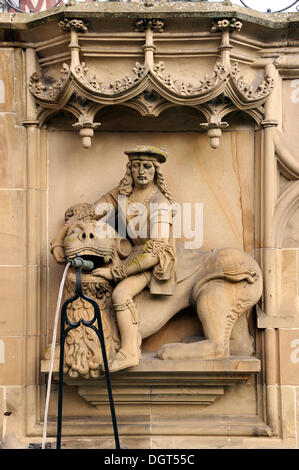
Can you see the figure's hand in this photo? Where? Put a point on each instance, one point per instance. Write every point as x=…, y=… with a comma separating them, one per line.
x=58, y=254
x=103, y=272
x=80, y=211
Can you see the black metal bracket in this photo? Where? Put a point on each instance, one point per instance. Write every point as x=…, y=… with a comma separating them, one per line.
x=96, y=325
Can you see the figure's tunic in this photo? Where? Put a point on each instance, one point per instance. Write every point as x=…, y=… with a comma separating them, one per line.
x=148, y=233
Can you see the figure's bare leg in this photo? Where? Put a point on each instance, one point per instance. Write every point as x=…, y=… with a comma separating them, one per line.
x=127, y=320
x=214, y=302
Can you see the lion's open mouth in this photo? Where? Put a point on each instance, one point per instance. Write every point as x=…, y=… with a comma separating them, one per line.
x=99, y=260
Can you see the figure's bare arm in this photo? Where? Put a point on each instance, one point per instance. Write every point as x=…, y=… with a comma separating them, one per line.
x=143, y=262
x=160, y=226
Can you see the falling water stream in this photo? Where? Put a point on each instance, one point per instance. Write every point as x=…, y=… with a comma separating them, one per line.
x=53, y=354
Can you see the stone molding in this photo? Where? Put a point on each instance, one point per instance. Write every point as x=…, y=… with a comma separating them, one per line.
x=225, y=83
x=165, y=379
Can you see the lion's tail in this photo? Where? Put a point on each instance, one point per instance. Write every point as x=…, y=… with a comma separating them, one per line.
x=226, y=268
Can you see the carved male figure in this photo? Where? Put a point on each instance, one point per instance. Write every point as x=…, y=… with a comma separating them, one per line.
x=153, y=260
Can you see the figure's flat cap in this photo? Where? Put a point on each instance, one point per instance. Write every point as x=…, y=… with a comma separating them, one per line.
x=144, y=152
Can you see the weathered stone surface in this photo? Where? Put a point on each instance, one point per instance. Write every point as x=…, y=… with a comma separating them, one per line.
x=289, y=356
x=12, y=153
x=13, y=234
x=7, y=71
x=13, y=368
x=12, y=319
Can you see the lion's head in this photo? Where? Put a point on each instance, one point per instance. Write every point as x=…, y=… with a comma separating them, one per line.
x=96, y=241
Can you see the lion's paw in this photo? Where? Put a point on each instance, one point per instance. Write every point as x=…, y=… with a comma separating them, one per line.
x=204, y=350
x=171, y=351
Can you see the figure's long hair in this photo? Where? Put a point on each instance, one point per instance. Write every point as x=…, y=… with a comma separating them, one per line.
x=126, y=185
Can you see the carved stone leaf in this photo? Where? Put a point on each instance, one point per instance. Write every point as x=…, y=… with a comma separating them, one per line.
x=149, y=102
x=155, y=24
x=226, y=24
x=248, y=91
x=113, y=88
x=46, y=88
x=73, y=24
x=188, y=89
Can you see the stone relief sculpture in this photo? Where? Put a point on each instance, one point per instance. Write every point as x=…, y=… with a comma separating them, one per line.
x=143, y=276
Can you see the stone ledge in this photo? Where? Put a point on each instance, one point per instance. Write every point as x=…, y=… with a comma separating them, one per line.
x=149, y=364
x=161, y=9
x=165, y=382
x=266, y=321
x=179, y=424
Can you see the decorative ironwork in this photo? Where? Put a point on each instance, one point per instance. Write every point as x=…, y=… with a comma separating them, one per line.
x=95, y=324
x=277, y=11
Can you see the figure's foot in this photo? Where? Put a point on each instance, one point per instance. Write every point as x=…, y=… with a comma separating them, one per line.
x=122, y=360
x=205, y=349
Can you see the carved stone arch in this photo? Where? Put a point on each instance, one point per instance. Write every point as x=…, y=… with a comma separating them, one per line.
x=94, y=109
x=254, y=114
x=147, y=110
x=201, y=111
x=101, y=111
x=154, y=109
x=229, y=109
x=205, y=112
x=287, y=205
x=192, y=124
x=46, y=114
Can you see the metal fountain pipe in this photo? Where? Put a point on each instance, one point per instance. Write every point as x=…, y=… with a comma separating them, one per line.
x=80, y=263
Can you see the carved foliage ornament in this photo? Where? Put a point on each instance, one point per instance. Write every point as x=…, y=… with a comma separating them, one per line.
x=113, y=88
x=187, y=89
x=226, y=25
x=149, y=102
x=156, y=25
x=73, y=24
x=149, y=76
x=251, y=94
x=48, y=89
